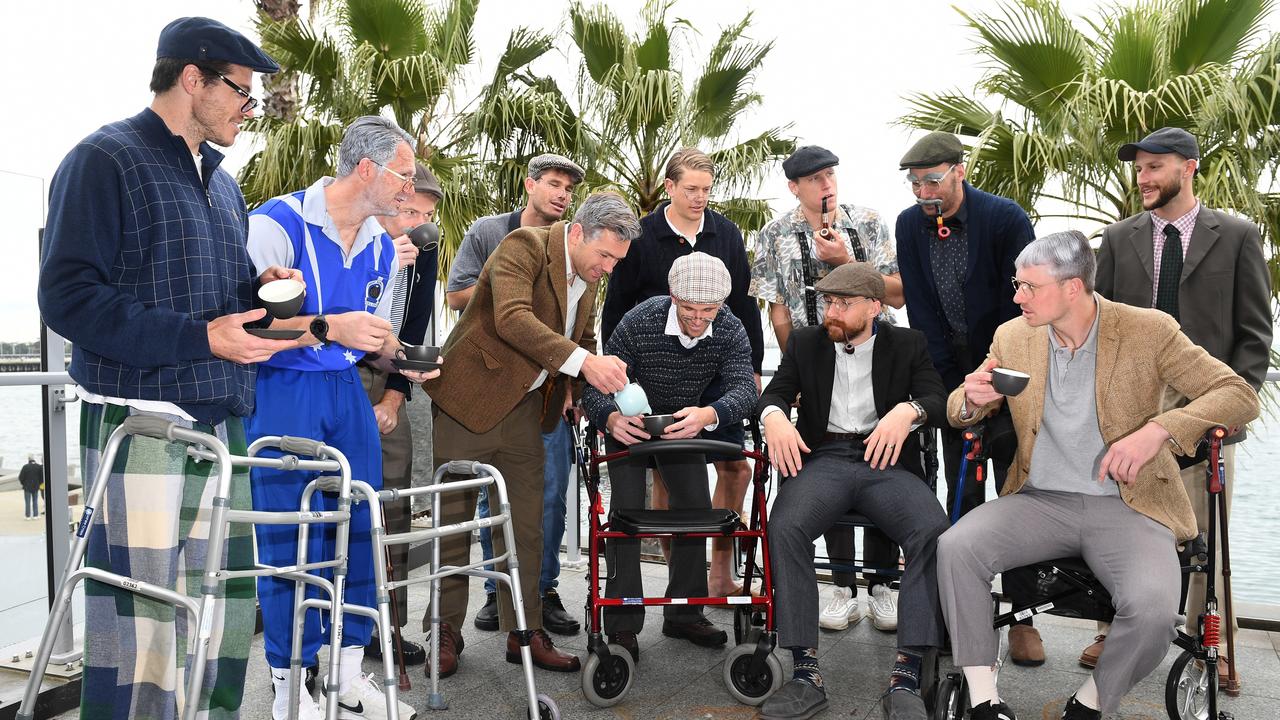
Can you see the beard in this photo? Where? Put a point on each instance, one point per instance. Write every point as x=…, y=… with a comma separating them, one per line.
x=1166, y=194
x=843, y=332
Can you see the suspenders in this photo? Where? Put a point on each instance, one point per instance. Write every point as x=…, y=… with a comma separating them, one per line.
x=806, y=265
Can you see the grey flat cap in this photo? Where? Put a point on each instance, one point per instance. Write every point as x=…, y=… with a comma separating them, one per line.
x=551, y=161
x=1161, y=142
x=855, y=279
x=808, y=160
x=425, y=181
x=933, y=149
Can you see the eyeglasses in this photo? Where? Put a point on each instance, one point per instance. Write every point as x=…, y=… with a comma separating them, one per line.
x=841, y=303
x=1029, y=288
x=409, y=182
x=250, y=102
x=933, y=181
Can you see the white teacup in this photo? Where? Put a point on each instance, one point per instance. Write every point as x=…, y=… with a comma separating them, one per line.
x=632, y=400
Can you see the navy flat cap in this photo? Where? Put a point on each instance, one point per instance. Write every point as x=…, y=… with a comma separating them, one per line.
x=807, y=161
x=1162, y=142
x=198, y=38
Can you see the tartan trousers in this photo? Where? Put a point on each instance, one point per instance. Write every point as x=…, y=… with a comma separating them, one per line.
x=154, y=526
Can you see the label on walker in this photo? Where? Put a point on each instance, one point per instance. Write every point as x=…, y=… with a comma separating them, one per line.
x=83, y=527
x=738, y=600
x=1024, y=614
x=679, y=601
x=633, y=601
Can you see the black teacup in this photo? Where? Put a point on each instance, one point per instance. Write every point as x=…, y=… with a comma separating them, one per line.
x=282, y=298
x=1009, y=382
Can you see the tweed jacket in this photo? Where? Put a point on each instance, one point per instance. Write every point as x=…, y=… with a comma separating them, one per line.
x=512, y=330
x=1224, y=297
x=1140, y=353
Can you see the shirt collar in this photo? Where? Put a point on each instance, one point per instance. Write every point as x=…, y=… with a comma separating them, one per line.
x=673, y=328
x=702, y=223
x=1184, y=223
x=1090, y=344
x=315, y=210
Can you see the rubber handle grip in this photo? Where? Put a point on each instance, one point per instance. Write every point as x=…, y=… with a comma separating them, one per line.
x=150, y=426
x=301, y=446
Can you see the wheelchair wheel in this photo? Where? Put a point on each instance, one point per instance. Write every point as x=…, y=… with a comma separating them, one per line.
x=745, y=623
x=547, y=708
x=746, y=686
x=1186, y=692
x=605, y=683
x=952, y=699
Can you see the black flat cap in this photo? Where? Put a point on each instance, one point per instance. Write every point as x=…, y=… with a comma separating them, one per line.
x=807, y=161
x=1161, y=142
x=198, y=38
x=933, y=149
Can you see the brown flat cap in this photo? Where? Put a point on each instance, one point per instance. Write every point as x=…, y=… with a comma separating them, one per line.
x=933, y=149
x=426, y=182
x=855, y=279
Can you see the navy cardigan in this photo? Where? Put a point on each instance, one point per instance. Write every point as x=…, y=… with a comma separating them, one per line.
x=996, y=230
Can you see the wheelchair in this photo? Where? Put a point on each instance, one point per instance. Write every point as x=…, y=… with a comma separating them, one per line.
x=751, y=671
x=1067, y=587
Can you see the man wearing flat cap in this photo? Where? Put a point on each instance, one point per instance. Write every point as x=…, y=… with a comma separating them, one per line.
x=145, y=270
x=863, y=387
x=792, y=253
x=675, y=346
x=549, y=187
x=1203, y=267
x=413, y=292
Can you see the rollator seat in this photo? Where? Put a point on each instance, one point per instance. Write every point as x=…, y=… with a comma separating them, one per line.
x=634, y=522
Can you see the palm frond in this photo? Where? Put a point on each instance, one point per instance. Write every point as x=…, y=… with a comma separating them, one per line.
x=600, y=38
x=395, y=28
x=1213, y=31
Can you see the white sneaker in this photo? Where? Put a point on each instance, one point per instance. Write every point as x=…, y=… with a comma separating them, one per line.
x=308, y=709
x=365, y=699
x=841, y=612
x=883, y=608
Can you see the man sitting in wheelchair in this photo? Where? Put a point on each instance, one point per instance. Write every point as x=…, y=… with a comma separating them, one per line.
x=1094, y=476
x=863, y=388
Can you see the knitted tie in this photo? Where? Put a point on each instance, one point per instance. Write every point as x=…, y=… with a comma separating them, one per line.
x=1170, y=271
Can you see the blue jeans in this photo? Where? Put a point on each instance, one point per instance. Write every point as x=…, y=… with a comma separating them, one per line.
x=558, y=446
x=31, y=507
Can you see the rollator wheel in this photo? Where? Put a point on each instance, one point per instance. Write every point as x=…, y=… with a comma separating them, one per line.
x=952, y=699
x=746, y=686
x=742, y=625
x=547, y=708
x=605, y=683
x=1186, y=692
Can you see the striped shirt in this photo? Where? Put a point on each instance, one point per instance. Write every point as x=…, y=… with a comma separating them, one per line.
x=1185, y=224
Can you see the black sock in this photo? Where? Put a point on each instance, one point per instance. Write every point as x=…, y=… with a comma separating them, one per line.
x=804, y=662
x=906, y=671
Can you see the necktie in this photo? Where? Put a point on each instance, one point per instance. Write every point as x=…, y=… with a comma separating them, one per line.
x=1170, y=271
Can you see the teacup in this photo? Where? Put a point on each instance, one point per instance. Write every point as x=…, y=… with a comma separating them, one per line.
x=632, y=400
x=282, y=298
x=421, y=353
x=1009, y=382
x=656, y=424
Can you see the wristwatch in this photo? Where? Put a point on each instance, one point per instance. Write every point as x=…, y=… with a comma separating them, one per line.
x=319, y=328
x=921, y=415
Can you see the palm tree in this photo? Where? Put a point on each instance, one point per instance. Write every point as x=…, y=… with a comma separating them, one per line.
x=372, y=57
x=631, y=110
x=1065, y=100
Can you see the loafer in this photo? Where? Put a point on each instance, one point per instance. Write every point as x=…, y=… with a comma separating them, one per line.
x=1025, y=646
x=554, y=616
x=628, y=640
x=903, y=705
x=414, y=654
x=1075, y=711
x=796, y=700
x=487, y=618
x=987, y=711
x=545, y=653
x=1089, y=656
x=451, y=645
x=699, y=632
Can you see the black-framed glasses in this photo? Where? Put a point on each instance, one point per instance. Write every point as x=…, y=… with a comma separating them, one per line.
x=250, y=102
x=933, y=181
x=409, y=182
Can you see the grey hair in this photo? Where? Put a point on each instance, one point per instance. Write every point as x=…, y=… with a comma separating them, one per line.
x=607, y=211
x=373, y=137
x=1065, y=254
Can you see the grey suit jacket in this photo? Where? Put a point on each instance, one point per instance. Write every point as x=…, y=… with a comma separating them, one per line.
x=1225, y=296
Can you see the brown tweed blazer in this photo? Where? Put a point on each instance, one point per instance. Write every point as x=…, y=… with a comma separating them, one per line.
x=512, y=330
x=1140, y=352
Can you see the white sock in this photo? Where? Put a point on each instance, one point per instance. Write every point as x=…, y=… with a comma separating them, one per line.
x=982, y=684
x=352, y=657
x=1087, y=695
x=280, y=680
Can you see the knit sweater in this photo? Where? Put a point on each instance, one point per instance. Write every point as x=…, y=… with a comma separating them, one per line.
x=140, y=253
x=674, y=376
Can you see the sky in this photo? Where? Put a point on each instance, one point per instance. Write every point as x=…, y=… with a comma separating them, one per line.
x=837, y=75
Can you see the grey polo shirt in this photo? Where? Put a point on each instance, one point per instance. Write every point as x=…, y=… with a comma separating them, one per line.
x=479, y=242
x=1069, y=446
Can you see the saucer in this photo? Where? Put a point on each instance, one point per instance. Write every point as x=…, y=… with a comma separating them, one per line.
x=270, y=334
x=414, y=365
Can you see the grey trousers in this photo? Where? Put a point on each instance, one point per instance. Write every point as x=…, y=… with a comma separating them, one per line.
x=686, y=479
x=835, y=479
x=397, y=472
x=1133, y=556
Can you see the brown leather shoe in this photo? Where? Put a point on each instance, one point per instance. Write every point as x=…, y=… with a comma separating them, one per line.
x=1224, y=679
x=1089, y=657
x=451, y=645
x=1025, y=647
x=545, y=654
x=628, y=640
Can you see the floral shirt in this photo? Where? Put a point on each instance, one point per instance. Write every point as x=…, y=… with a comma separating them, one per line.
x=777, y=272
